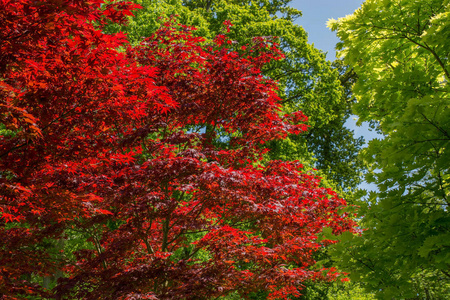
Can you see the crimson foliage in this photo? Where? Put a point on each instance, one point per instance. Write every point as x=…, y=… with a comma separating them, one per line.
x=153, y=156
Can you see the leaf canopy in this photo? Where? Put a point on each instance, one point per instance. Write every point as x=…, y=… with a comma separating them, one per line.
x=399, y=53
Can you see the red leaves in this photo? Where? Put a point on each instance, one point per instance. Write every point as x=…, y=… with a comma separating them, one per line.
x=117, y=12
x=146, y=162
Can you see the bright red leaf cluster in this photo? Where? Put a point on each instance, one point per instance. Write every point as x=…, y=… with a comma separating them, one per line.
x=144, y=163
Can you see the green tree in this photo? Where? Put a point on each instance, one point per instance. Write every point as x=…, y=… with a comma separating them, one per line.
x=399, y=51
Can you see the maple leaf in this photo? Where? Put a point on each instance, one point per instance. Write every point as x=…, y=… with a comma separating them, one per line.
x=144, y=164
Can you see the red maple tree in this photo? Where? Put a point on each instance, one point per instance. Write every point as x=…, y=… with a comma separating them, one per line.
x=138, y=172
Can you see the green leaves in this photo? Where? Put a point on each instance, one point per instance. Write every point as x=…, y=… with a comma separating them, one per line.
x=402, y=89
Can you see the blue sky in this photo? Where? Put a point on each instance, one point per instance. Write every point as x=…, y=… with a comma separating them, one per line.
x=315, y=15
